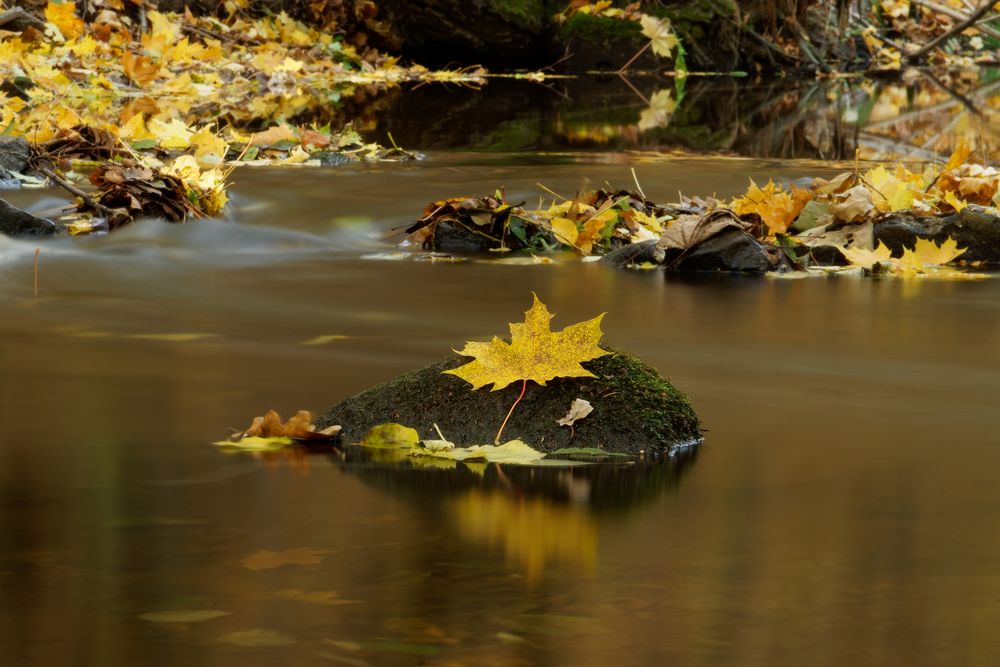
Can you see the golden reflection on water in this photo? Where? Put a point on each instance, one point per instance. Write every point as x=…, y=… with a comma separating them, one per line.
x=534, y=533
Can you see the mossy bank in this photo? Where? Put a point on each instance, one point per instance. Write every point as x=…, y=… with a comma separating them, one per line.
x=635, y=410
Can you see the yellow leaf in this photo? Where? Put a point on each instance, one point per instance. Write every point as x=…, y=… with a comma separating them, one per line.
x=565, y=230
x=140, y=69
x=867, y=258
x=135, y=129
x=173, y=134
x=660, y=33
x=208, y=144
x=894, y=191
x=929, y=254
x=954, y=201
x=958, y=157
x=534, y=352
x=777, y=208
x=63, y=16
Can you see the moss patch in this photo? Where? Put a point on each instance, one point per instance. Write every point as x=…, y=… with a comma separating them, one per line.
x=635, y=409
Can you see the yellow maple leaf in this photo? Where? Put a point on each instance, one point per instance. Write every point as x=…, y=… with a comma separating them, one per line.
x=63, y=16
x=534, y=352
x=929, y=254
x=140, y=69
x=660, y=33
x=777, y=208
x=894, y=191
x=172, y=134
x=867, y=258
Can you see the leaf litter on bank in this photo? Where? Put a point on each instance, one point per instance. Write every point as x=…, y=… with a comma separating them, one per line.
x=794, y=223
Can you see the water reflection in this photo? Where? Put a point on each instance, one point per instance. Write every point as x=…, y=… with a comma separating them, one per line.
x=538, y=517
x=919, y=117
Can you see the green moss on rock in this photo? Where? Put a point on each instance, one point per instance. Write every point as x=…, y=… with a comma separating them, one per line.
x=635, y=409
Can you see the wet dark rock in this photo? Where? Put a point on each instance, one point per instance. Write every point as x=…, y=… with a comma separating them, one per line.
x=635, y=253
x=973, y=228
x=731, y=250
x=15, y=222
x=14, y=154
x=635, y=409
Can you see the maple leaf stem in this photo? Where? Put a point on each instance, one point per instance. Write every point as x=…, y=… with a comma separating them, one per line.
x=524, y=385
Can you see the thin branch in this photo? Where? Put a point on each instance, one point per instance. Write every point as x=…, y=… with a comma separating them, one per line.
x=19, y=17
x=72, y=189
x=955, y=29
x=955, y=14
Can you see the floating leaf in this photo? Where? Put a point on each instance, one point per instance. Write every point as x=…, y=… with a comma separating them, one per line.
x=513, y=451
x=269, y=560
x=534, y=353
x=313, y=597
x=183, y=615
x=257, y=637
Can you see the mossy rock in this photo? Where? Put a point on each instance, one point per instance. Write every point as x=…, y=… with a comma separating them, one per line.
x=603, y=44
x=635, y=410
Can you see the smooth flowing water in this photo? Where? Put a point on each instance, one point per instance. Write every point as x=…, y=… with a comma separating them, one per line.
x=843, y=507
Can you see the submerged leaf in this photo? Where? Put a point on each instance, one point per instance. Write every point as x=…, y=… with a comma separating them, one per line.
x=183, y=615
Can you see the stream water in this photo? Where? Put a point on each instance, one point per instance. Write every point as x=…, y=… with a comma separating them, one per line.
x=842, y=509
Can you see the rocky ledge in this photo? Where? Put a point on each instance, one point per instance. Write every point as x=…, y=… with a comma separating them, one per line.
x=635, y=410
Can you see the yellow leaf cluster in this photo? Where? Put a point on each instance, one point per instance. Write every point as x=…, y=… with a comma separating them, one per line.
x=776, y=207
x=534, y=352
x=63, y=16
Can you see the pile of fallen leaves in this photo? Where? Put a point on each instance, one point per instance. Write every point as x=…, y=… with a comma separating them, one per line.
x=157, y=104
x=841, y=212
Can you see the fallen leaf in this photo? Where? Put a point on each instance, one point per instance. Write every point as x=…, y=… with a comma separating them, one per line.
x=270, y=560
x=578, y=409
x=867, y=258
x=854, y=205
x=391, y=436
x=63, y=16
x=313, y=597
x=257, y=637
x=534, y=353
x=183, y=615
x=775, y=207
x=660, y=34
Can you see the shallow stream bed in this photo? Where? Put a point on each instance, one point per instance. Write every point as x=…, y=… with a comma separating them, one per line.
x=843, y=507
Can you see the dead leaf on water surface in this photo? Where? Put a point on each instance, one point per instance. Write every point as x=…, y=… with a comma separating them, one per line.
x=257, y=637
x=313, y=597
x=323, y=340
x=183, y=615
x=270, y=560
x=269, y=432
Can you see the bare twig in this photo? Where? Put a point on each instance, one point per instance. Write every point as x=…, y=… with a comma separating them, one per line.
x=19, y=17
x=92, y=203
x=37, y=252
x=955, y=14
x=954, y=30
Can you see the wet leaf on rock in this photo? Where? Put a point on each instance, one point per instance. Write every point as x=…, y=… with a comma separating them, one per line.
x=390, y=436
x=535, y=352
